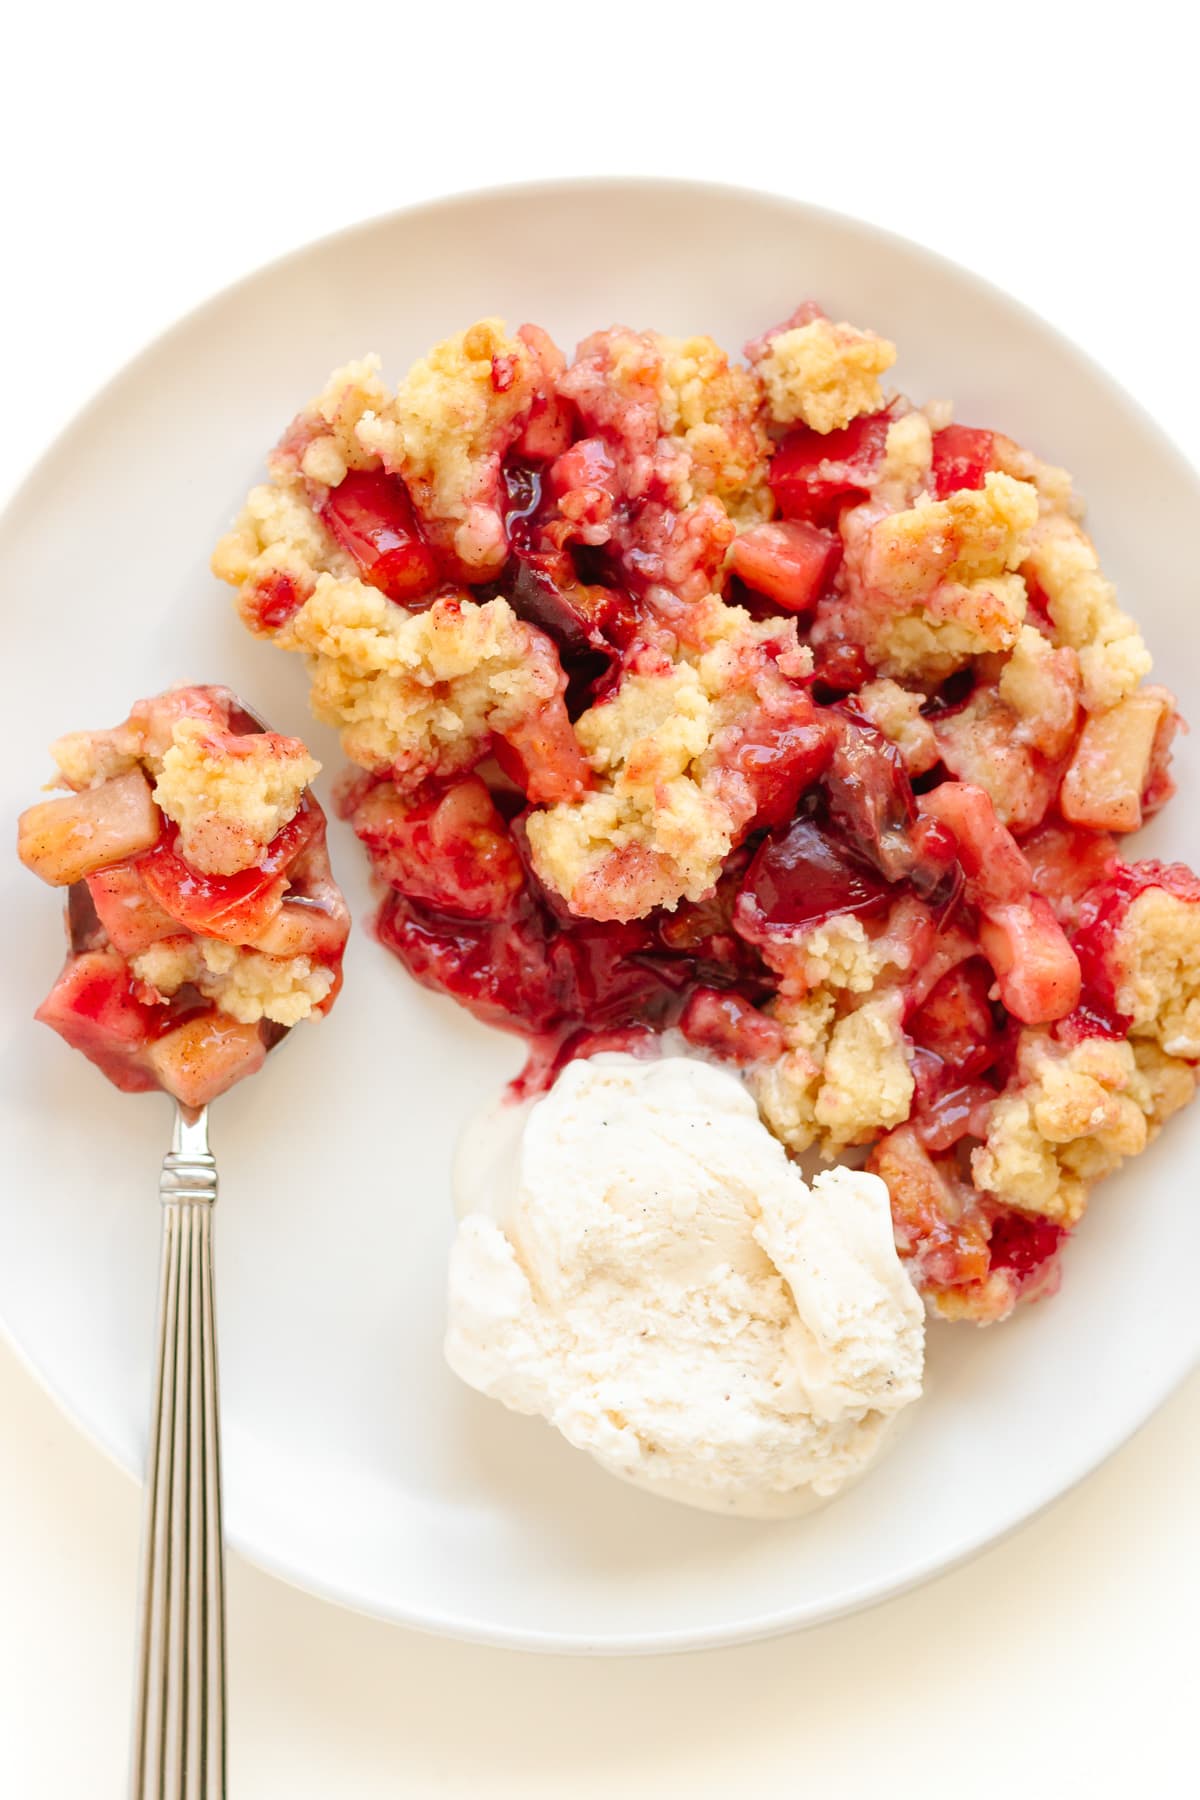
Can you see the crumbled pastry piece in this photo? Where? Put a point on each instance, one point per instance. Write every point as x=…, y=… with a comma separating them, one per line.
x=822, y=374
x=970, y=536
x=896, y=712
x=678, y=757
x=452, y=418
x=1054, y=489
x=230, y=794
x=246, y=984
x=843, y=1079
x=834, y=953
x=86, y=759
x=841, y=952
x=1083, y=608
x=713, y=408
x=786, y=1088
x=1155, y=962
x=1070, y=1115
x=649, y=836
x=323, y=444
x=982, y=742
x=866, y=1083
x=417, y=694
x=274, y=554
x=1165, y=1084
x=679, y=416
x=931, y=587
x=907, y=455
x=1040, y=685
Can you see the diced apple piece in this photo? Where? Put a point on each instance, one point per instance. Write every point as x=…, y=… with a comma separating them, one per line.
x=788, y=560
x=132, y=920
x=67, y=839
x=93, y=1007
x=1036, y=969
x=1109, y=772
x=996, y=871
x=204, y=1056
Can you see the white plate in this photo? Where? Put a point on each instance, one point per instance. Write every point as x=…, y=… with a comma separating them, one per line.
x=355, y=1465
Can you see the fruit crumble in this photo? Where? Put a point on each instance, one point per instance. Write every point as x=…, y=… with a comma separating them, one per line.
x=202, y=917
x=751, y=699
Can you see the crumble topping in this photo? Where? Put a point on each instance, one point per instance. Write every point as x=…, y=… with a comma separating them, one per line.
x=932, y=586
x=452, y=418
x=670, y=801
x=824, y=374
x=417, y=694
x=230, y=794
x=752, y=700
x=1156, y=960
x=246, y=984
x=842, y=1080
x=1071, y=1116
x=1083, y=609
x=896, y=712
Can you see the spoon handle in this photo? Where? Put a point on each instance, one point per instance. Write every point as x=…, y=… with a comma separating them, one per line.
x=179, y=1698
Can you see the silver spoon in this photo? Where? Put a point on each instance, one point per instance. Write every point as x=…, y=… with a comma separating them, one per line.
x=179, y=1697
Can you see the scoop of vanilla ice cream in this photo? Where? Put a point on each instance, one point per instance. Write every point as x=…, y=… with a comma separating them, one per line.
x=662, y=1285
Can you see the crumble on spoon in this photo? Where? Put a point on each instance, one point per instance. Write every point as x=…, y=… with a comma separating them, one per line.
x=203, y=920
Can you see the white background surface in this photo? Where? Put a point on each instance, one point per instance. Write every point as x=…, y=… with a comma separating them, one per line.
x=152, y=158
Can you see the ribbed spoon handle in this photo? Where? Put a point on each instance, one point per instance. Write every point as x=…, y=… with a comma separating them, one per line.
x=179, y=1697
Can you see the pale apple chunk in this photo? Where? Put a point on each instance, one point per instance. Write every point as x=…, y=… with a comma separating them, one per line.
x=131, y=918
x=204, y=1056
x=67, y=839
x=1107, y=775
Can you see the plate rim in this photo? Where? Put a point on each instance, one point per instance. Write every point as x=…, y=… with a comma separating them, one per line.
x=796, y=1616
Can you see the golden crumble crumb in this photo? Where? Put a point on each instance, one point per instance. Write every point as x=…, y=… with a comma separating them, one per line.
x=1156, y=958
x=1083, y=609
x=982, y=742
x=842, y=1079
x=229, y=794
x=323, y=443
x=671, y=800
x=714, y=409
x=650, y=836
x=972, y=535
x=896, y=712
x=277, y=536
x=824, y=374
x=418, y=693
x=1054, y=489
x=1164, y=1083
x=445, y=430
x=907, y=456
x=1041, y=686
x=246, y=984
x=866, y=1083
x=932, y=586
x=1070, y=1116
